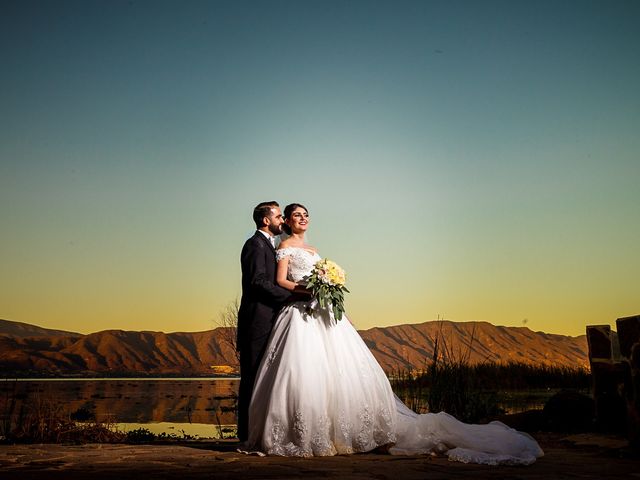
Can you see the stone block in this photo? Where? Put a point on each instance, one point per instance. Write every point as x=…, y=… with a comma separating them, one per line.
x=607, y=380
x=599, y=341
x=628, y=334
x=629, y=337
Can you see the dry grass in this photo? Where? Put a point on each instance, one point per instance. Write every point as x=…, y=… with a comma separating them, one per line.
x=42, y=419
x=449, y=383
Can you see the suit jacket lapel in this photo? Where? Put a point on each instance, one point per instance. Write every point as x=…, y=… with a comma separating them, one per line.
x=264, y=239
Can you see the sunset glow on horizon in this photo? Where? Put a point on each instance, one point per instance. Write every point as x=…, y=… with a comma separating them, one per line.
x=461, y=160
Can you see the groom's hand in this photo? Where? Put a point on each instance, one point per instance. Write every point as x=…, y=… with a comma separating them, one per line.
x=301, y=293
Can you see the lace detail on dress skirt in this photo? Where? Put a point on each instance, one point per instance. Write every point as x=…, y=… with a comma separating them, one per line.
x=375, y=429
x=345, y=443
x=319, y=438
x=277, y=436
x=384, y=431
x=365, y=435
x=303, y=445
x=300, y=429
x=321, y=441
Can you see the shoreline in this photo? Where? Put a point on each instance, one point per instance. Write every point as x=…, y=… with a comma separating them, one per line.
x=99, y=379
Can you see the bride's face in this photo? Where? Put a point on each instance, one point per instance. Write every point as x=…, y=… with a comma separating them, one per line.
x=298, y=221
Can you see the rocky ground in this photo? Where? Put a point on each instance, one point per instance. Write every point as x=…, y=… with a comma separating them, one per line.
x=584, y=456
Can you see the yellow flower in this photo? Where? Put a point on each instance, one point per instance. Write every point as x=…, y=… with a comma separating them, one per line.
x=327, y=284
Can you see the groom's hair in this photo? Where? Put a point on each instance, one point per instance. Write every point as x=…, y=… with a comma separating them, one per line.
x=263, y=210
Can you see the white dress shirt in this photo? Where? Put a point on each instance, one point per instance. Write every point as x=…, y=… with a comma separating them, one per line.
x=271, y=238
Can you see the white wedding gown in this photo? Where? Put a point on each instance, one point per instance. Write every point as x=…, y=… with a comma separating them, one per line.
x=319, y=391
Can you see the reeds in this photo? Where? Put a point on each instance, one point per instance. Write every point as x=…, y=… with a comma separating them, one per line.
x=43, y=419
x=471, y=392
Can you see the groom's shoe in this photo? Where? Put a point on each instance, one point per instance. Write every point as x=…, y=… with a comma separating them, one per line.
x=244, y=447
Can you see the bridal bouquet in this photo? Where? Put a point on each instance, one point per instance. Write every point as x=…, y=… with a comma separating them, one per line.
x=326, y=283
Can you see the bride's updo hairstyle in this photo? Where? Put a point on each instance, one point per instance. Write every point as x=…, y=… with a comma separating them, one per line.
x=288, y=210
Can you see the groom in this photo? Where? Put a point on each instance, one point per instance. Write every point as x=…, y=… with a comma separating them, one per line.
x=261, y=300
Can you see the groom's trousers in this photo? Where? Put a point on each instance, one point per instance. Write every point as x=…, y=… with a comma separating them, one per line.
x=250, y=357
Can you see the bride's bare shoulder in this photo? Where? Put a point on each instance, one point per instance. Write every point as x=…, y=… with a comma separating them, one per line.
x=284, y=244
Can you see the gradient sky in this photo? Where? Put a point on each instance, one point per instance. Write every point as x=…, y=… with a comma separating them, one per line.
x=462, y=160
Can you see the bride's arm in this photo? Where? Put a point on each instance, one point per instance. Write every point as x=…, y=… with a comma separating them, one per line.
x=283, y=281
x=281, y=275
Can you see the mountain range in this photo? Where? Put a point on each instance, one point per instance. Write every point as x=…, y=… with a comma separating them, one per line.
x=30, y=350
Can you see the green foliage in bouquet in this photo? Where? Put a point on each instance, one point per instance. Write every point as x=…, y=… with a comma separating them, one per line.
x=327, y=285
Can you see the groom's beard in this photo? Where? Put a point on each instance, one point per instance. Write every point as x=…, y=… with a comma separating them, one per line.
x=275, y=230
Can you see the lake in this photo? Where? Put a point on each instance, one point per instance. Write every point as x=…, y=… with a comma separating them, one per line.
x=183, y=406
x=197, y=407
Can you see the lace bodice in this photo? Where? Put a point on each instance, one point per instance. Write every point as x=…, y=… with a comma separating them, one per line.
x=301, y=262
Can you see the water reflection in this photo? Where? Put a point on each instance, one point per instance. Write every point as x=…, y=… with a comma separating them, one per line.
x=203, y=407
x=195, y=406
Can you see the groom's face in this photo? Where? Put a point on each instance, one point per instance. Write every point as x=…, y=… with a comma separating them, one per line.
x=275, y=221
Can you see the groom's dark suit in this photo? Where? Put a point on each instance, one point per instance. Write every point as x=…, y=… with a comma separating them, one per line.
x=261, y=300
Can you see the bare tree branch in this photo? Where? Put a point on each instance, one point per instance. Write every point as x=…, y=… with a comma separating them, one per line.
x=228, y=321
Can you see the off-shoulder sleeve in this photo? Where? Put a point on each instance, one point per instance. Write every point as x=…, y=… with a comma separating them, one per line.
x=283, y=252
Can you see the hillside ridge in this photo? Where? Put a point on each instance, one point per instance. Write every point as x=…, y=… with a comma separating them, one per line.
x=397, y=347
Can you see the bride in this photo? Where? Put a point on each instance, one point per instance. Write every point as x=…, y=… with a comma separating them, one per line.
x=319, y=390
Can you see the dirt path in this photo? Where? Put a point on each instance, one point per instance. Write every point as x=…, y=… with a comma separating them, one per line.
x=578, y=456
